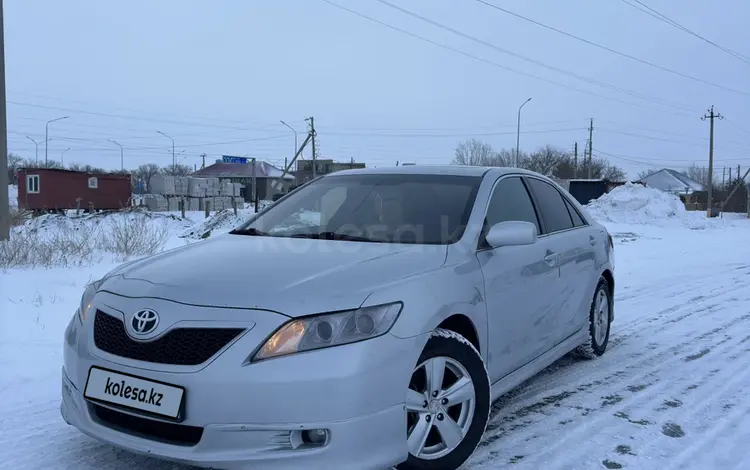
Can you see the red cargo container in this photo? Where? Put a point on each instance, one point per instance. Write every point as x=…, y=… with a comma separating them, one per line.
x=48, y=189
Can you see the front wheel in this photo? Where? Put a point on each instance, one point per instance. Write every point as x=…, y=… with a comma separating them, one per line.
x=448, y=404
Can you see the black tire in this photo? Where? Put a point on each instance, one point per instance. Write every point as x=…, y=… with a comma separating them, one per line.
x=594, y=348
x=445, y=343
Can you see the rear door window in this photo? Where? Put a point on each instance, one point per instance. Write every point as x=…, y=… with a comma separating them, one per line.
x=574, y=214
x=551, y=206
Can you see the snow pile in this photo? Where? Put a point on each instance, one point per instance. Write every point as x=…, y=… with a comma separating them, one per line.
x=58, y=241
x=220, y=222
x=637, y=204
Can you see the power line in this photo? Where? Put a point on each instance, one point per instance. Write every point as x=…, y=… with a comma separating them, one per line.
x=613, y=51
x=372, y=134
x=661, y=139
x=489, y=62
x=632, y=159
x=534, y=61
x=124, y=116
x=124, y=108
x=639, y=5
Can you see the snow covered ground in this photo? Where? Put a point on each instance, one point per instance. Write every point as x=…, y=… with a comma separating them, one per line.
x=672, y=391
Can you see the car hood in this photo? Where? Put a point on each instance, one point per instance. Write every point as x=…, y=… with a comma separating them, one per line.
x=290, y=276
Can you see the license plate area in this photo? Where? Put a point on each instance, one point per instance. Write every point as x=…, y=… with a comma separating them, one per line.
x=135, y=393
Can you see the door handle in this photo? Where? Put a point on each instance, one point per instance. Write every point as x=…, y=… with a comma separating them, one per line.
x=592, y=240
x=551, y=258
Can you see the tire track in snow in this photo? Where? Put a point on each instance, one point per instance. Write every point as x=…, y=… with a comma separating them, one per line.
x=625, y=390
x=511, y=417
x=730, y=377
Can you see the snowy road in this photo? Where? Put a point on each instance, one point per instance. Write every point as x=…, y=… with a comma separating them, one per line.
x=671, y=392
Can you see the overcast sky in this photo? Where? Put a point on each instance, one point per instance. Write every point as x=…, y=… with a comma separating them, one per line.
x=218, y=76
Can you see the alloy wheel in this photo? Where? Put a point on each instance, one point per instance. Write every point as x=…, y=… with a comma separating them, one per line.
x=601, y=317
x=440, y=407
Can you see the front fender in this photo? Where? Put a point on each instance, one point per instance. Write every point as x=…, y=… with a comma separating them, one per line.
x=432, y=297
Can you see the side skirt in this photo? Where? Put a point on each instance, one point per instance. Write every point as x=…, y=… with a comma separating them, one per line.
x=514, y=379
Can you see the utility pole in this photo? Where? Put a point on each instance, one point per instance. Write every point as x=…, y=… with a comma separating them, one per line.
x=203, y=165
x=591, y=148
x=724, y=177
x=122, y=155
x=711, y=116
x=46, y=135
x=255, y=187
x=736, y=187
x=4, y=203
x=314, y=155
x=518, y=135
x=575, y=160
x=36, y=145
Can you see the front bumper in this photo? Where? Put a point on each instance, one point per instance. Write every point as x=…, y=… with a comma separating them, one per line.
x=248, y=414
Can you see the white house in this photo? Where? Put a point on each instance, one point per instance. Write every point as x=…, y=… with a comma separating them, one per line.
x=672, y=181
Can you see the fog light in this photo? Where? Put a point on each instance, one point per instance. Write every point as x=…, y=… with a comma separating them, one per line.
x=315, y=437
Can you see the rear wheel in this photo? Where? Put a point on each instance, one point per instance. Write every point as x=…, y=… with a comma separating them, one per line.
x=600, y=315
x=448, y=404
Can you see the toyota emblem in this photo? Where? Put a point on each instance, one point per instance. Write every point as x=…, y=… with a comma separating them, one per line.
x=145, y=321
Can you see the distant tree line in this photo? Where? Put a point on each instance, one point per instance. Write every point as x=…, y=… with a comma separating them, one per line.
x=548, y=160
x=140, y=176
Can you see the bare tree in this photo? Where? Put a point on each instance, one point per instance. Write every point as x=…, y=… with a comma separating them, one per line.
x=548, y=160
x=14, y=163
x=28, y=163
x=474, y=152
x=86, y=168
x=700, y=174
x=142, y=175
x=645, y=174
x=177, y=170
x=544, y=161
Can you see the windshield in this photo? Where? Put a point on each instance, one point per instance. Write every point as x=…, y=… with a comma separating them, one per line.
x=401, y=208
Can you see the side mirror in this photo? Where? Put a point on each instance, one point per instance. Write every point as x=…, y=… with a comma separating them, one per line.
x=511, y=233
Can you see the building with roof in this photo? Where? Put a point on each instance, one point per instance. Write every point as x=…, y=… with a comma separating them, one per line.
x=304, y=171
x=672, y=181
x=267, y=177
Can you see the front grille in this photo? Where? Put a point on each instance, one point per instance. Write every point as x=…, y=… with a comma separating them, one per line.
x=169, y=433
x=181, y=346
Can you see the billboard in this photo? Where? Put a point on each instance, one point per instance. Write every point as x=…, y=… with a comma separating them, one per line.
x=232, y=159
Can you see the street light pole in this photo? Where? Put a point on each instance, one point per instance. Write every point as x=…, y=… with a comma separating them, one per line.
x=46, y=135
x=62, y=156
x=122, y=159
x=173, y=160
x=518, y=135
x=295, y=136
x=36, y=144
x=4, y=203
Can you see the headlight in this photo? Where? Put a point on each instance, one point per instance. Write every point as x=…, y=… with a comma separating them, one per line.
x=87, y=298
x=332, y=329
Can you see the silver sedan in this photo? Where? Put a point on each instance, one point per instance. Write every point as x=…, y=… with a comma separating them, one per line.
x=365, y=320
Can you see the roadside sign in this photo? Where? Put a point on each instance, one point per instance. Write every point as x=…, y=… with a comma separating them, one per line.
x=233, y=159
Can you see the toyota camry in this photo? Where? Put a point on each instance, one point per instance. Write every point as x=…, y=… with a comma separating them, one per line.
x=365, y=320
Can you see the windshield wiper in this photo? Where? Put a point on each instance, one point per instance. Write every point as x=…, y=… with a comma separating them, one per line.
x=335, y=236
x=248, y=231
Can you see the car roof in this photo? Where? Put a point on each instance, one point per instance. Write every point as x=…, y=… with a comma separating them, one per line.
x=450, y=170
